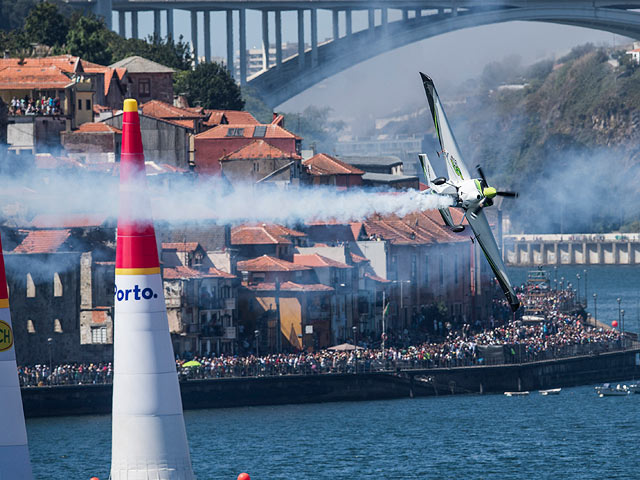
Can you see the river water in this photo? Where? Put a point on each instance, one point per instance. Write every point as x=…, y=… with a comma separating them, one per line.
x=574, y=435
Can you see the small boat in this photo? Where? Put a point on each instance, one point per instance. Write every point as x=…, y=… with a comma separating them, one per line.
x=608, y=391
x=633, y=388
x=516, y=394
x=552, y=391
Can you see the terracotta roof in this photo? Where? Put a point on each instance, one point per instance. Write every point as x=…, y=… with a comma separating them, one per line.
x=318, y=261
x=66, y=63
x=71, y=220
x=159, y=109
x=43, y=241
x=258, y=149
x=97, y=127
x=323, y=164
x=181, y=247
x=267, y=263
x=121, y=72
x=355, y=258
x=265, y=234
x=420, y=228
x=246, y=131
x=356, y=228
x=219, y=273
x=289, y=287
x=38, y=78
x=376, y=278
x=233, y=117
x=185, y=273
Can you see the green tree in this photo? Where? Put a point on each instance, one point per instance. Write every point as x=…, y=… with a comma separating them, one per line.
x=209, y=85
x=46, y=25
x=89, y=39
x=165, y=51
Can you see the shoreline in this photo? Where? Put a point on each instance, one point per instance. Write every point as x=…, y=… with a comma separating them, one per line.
x=65, y=400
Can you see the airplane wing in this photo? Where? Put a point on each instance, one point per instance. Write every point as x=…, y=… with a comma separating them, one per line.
x=456, y=168
x=430, y=176
x=485, y=238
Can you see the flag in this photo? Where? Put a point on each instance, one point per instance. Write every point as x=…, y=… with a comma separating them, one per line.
x=386, y=309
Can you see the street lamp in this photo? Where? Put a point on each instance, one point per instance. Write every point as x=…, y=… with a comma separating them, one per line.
x=257, y=335
x=402, y=299
x=561, y=283
x=50, y=345
x=586, y=301
x=578, y=287
x=622, y=327
x=595, y=309
x=555, y=277
x=355, y=344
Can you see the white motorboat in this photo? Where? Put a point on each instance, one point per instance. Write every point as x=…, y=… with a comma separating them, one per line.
x=552, y=391
x=607, y=390
x=516, y=394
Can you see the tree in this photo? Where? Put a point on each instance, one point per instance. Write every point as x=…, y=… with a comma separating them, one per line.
x=45, y=25
x=166, y=51
x=89, y=39
x=209, y=85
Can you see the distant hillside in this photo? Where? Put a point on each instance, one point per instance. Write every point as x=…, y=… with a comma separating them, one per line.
x=566, y=134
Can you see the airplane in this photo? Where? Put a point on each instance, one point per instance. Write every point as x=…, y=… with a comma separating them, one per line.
x=470, y=194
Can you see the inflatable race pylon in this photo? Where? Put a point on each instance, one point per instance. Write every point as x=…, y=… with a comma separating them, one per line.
x=14, y=452
x=149, y=439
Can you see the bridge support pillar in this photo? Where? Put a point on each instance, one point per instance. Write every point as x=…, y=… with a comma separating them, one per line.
x=419, y=13
x=156, y=23
x=301, y=39
x=134, y=24
x=207, y=35
x=314, y=37
x=194, y=35
x=348, y=22
x=454, y=8
x=372, y=21
x=121, y=24
x=405, y=14
x=265, y=39
x=169, y=13
x=104, y=8
x=230, y=43
x=384, y=18
x=243, y=46
x=278, y=19
x=336, y=24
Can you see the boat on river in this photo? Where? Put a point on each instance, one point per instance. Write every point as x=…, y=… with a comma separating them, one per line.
x=551, y=391
x=606, y=390
x=516, y=394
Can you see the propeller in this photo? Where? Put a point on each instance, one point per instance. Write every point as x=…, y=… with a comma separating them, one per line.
x=499, y=193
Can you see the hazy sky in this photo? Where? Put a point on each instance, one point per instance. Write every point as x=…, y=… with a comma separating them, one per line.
x=390, y=81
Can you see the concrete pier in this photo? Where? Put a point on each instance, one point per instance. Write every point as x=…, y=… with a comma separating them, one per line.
x=576, y=249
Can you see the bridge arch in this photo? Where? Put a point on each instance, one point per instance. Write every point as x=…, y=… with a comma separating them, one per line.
x=281, y=83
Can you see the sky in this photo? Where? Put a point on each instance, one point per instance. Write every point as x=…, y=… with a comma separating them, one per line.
x=390, y=81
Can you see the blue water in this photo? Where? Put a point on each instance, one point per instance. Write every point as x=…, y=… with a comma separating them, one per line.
x=608, y=282
x=574, y=435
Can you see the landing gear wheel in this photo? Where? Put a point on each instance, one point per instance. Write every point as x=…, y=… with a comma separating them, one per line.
x=457, y=228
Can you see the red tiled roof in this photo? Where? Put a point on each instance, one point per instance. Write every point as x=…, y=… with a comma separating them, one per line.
x=71, y=220
x=181, y=247
x=290, y=287
x=43, y=241
x=267, y=263
x=219, y=273
x=258, y=149
x=38, y=78
x=271, y=131
x=323, y=164
x=159, y=109
x=234, y=117
x=317, y=260
x=355, y=258
x=97, y=127
x=66, y=63
x=265, y=234
x=376, y=278
x=185, y=273
x=356, y=228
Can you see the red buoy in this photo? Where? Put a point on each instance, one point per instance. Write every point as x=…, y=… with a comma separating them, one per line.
x=244, y=476
x=614, y=324
x=94, y=478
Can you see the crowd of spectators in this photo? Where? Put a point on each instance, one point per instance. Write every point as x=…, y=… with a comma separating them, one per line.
x=35, y=106
x=558, y=333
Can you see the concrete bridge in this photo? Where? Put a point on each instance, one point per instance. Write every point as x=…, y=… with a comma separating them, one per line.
x=416, y=20
x=577, y=249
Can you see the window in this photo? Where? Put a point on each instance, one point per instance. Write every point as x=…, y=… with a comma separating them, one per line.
x=235, y=132
x=79, y=104
x=441, y=270
x=98, y=334
x=426, y=269
x=31, y=327
x=144, y=87
x=31, y=287
x=57, y=326
x=57, y=285
x=87, y=104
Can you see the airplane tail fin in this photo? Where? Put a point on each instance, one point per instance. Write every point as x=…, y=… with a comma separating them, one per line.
x=429, y=173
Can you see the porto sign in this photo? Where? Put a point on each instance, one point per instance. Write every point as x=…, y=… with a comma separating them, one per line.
x=6, y=336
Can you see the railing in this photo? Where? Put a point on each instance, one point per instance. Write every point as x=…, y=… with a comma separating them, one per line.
x=267, y=367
